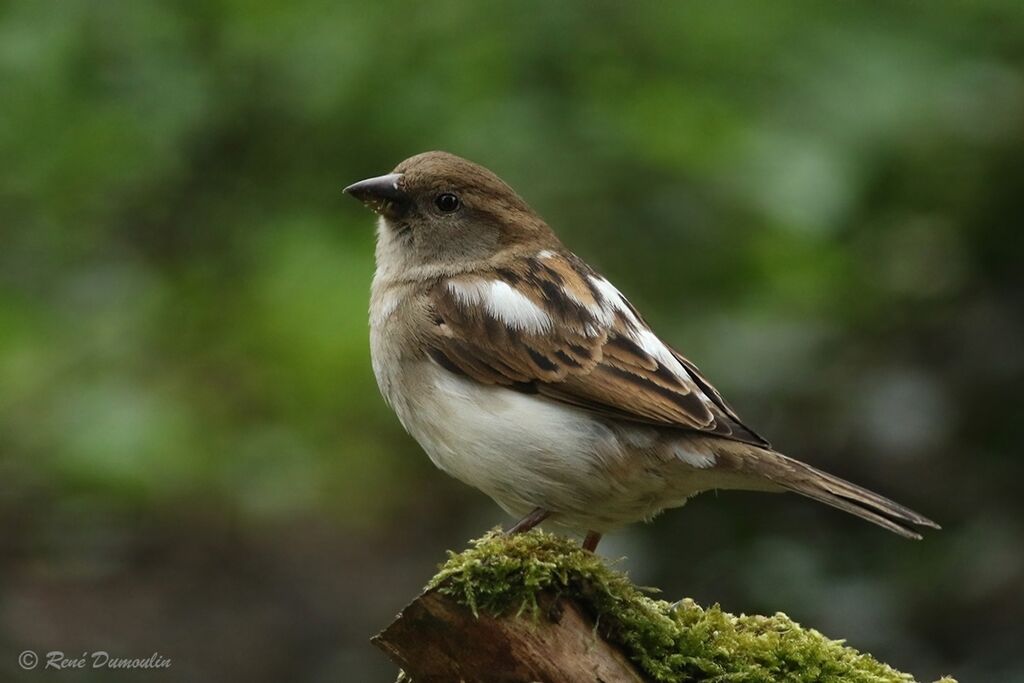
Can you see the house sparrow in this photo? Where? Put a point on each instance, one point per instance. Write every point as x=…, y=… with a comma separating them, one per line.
x=523, y=372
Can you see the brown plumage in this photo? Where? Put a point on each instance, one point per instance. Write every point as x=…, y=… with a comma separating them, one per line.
x=525, y=373
x=588, y=357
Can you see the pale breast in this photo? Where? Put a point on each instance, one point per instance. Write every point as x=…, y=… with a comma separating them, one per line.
x=520, y=449
x=394, y=315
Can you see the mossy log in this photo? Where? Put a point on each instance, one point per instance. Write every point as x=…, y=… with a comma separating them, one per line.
x=535, y=607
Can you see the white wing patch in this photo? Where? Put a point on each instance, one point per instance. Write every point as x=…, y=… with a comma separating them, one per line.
x=504, y=303
x=613, y=298
x=646, y=339
x=650, y=343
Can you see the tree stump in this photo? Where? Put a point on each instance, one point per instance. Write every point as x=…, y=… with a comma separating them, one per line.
x=535, y=607
x=435, y=640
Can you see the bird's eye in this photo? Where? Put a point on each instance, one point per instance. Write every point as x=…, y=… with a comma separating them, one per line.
x=446, y=202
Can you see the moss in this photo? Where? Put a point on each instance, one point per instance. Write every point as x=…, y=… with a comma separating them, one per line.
x=503, y=575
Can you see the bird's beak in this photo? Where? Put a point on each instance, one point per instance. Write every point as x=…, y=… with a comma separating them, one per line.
x=383, y=194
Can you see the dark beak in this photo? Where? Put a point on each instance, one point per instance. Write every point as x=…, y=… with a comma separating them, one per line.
x=383, y=195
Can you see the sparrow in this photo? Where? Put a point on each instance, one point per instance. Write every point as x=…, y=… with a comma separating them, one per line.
x=524, y=373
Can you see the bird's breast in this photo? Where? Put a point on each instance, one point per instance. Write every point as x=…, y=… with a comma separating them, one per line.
x=503, y=442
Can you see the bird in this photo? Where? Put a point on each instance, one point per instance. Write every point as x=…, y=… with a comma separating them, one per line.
x=523, y=372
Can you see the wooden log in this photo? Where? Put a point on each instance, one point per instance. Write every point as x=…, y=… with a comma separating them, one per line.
x=561, y=590
x=435, y=640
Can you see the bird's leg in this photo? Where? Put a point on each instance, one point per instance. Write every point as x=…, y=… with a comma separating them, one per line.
x=591, y=541
x=529, y=521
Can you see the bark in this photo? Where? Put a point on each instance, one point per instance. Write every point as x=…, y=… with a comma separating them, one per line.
x=435, y=639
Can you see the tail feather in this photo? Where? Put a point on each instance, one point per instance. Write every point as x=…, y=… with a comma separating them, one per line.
x=801, y=478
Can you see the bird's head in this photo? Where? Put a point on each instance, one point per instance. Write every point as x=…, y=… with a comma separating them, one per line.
x=440, y=210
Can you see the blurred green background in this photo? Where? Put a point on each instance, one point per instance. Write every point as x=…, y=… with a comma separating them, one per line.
x=820, y=203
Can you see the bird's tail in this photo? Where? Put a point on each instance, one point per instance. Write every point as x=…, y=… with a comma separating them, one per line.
x=801, y=478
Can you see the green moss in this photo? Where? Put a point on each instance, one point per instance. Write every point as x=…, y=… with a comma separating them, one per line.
x=503, y=575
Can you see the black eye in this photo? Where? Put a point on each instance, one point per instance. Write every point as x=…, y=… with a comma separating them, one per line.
x=446, y=202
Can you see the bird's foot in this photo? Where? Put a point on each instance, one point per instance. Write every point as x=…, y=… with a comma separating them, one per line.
x=529, y=521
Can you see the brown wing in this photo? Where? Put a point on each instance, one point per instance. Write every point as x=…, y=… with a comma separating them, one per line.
x=550, y=325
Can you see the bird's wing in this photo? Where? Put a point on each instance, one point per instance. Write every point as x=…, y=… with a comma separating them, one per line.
x=550, y=325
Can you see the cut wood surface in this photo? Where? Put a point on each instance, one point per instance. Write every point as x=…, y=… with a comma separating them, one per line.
x=435, y=639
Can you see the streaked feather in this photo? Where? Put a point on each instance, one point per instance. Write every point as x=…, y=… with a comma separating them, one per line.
x=597, y=353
